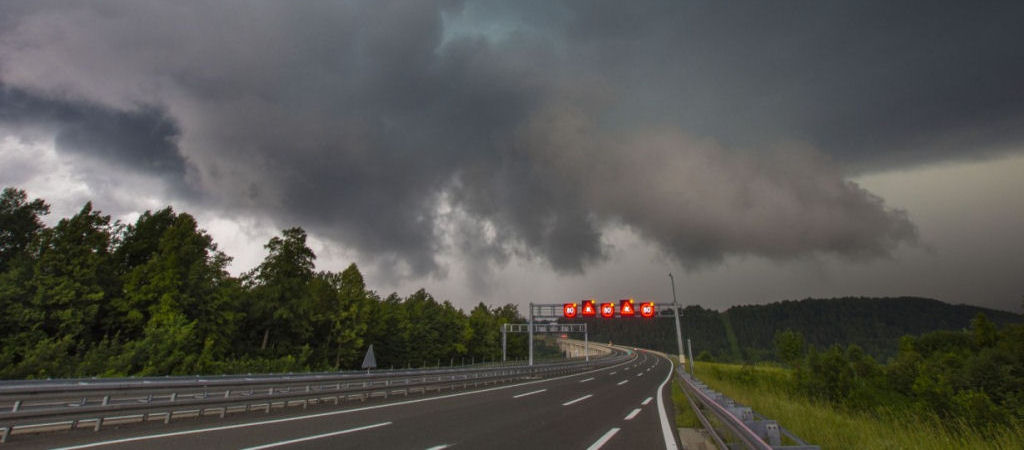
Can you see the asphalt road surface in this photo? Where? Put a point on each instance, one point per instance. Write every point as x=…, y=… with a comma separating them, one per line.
x=615, y=407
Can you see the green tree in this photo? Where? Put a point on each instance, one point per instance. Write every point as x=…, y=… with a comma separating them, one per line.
x=169, y=346
x=19, y=223
x=831, y=376
x=389, y=329
x=53, y=297
x=73, y=277
x=279, y=293
x=790, y=347
x=425, y=321
x=485, y=341
x=139, y=242
x=186, y=276
x=983, y=331
x=337, y=302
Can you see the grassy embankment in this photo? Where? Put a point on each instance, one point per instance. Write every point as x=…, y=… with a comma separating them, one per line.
x=764, y=388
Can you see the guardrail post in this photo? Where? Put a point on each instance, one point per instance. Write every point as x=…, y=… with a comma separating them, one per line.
x=106, y=400
x=17, y=405
x=7, y=431
x=174, y=396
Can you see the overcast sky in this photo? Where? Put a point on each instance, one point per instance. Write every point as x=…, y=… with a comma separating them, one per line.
x=546, y=150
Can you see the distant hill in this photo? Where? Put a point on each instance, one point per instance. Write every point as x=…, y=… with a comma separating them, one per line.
x=745, y=333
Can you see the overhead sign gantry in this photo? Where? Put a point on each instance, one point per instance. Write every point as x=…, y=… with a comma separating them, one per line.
x=586, y=309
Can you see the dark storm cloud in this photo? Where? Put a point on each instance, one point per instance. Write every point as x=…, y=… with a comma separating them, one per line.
x=144, y=139
x=528, y=129
x=870, y=83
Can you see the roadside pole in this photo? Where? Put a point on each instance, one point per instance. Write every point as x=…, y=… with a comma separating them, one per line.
x=675, y=312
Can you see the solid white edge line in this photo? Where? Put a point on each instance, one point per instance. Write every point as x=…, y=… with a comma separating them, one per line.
x=603, y=440
x=623, y=382
x=613, y=373
x=666, y=429
x=588, y=379
x=647, y=401
x=324, y=414
x=632, y=414
x=529, y=393
x=319, y=436
x=577, y=400
x=439, y=447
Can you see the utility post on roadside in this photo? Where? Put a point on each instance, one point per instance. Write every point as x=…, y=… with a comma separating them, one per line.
x=675, y=312
x=530, y=331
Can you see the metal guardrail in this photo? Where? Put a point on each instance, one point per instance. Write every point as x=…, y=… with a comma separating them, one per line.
x=751, y=429
x=38, y=407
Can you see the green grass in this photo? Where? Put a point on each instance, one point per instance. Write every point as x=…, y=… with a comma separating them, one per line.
x=685, y=417
x=763, y=389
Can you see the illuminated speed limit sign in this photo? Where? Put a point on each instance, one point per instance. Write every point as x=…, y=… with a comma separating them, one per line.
x=569, y=310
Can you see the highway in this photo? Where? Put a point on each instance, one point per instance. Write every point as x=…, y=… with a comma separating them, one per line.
x=615, y=407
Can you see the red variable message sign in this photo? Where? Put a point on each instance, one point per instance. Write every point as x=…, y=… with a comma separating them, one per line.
x=626, y=308
x=588, y=309
x=607, y=310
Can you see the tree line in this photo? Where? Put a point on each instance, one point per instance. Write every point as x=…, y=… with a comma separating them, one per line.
x=95, y=297
x=745, y=333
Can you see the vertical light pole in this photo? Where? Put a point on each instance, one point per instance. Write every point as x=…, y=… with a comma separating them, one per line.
x=675, y=312
x=530, y=332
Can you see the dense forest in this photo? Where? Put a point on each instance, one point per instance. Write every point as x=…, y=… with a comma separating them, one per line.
x=91, y=297
x=746, y=333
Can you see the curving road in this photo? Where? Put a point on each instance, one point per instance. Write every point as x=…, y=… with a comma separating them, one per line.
x=626, y=406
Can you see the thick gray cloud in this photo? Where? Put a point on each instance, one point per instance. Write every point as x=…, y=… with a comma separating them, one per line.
x=409, y=129
x=871, y=83
x=144, y=139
